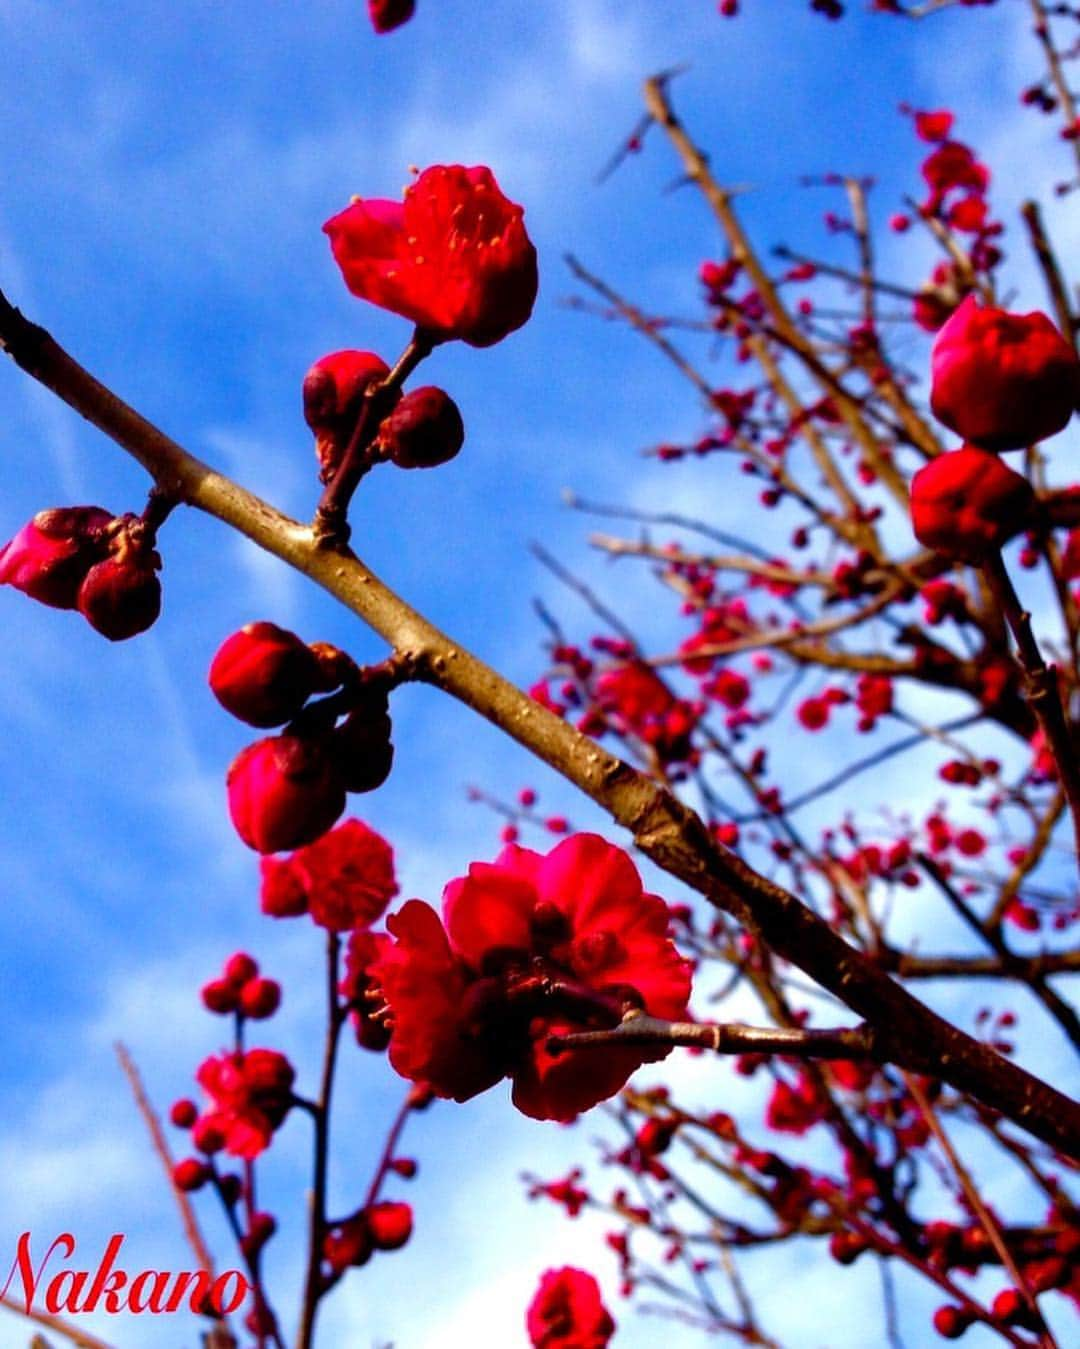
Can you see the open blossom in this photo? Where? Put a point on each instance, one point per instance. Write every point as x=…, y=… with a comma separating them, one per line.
x=454, y=256
x=251, y=1094
x=529, y=947
x=1001, y=380
x=344, y=880
x=567, y=1312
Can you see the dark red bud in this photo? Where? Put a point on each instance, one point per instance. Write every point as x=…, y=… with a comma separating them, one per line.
x=361, y=745
x=386, y=15
x=424, y=430
x=121, y=596
x=219, y=996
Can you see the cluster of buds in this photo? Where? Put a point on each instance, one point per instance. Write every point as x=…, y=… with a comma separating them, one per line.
x=84, y=558
x=250, y=1095
x=287, y=790
x=242, y=990
x=384, y=1226
x=1002, y=381
x=419, y=429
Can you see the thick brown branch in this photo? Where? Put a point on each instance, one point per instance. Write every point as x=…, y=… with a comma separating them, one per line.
x=666, y=830
x=847, y=1042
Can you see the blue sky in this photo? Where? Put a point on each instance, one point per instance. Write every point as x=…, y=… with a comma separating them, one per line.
x=164, y=173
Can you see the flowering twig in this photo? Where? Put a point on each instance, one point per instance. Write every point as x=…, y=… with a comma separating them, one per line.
x=664, y=828
x=161, y=1148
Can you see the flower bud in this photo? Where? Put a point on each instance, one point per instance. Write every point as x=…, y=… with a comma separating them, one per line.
x=263, y=674
x=261, y=1228
x=49, y=557
x=361, y=745
x=967, y=503
x=386, y=15
x=284, y=791
x=1001, y=380
x=239, y=968
x=424, y=430
x=334, y=390
x=190, y=1174
x=260, y=998
x=207, y=1134
x=390, y=1225
x=219, y=996
x=121, y=596
x=349, y=1244
x=183, y=1113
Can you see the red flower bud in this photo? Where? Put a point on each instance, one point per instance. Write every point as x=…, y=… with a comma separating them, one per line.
x=349, y=1244
x=260, y=998
x=966, y=504
x=50, y=556
x=283, y=792
x=1001, y=380
x=219, y=996
x=390, y=1225
x=386, y=15
x=183, y=1113
x=239, y=968
x=334, y=391
x=361, y=745
x=261, y=1227
x=121, y=596
x=263, y=674
x=190, y=1174
x=424, y=430
x=454, y=257
x=208, y=1134
x=951, y=1322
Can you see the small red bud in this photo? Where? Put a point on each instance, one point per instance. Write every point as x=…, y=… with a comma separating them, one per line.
x=190, y=1174
x=239, y=968
x=334, y=390
x=219, y=996
x=424, y=430
x=361, y=746
x=207, y=1135
x=951, y=1322
x=260, y=998
x=121, y=596
x=386, y=15
x=183, y=1113
x=390, y=1224
x=263, y=674
x=261, y=1228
